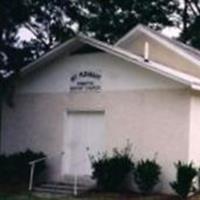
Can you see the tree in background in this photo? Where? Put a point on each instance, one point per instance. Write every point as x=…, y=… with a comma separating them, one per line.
x=109, y=20
x=191, y=23
x=44, y=21
x=48, y=26
x=53, y=22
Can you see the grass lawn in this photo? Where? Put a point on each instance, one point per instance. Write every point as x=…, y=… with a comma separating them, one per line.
x=92, y=196
x=19, y=192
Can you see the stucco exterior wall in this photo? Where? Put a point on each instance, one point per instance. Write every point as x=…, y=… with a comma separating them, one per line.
x=149, y=110
x=194, y=136
x=160, y=53
x=117, y=74
x=155, y=122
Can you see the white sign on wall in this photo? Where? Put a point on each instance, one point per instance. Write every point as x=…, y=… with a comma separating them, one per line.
x=86, y=80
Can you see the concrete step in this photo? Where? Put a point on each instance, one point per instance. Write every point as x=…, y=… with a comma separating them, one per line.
x=47, y=195
x=80, y=183
x=67, y=186
x=58, y=189
x=82, y=179
x=51, y=190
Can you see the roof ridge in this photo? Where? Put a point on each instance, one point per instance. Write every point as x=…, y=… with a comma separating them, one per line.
x=173, y=40
x=181, y=47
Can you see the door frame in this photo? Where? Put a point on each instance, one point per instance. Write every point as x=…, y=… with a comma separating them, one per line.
x=65, y=166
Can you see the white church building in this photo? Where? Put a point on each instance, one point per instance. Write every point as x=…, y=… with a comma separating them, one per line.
x=145, y=89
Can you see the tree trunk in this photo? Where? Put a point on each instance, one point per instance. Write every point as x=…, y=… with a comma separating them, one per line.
x=185, y=20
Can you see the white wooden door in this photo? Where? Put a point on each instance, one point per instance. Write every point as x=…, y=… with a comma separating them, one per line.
x=85, y=135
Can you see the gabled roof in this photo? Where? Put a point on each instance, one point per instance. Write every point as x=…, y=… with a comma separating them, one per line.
x=187, y=51
x=65, y=48
x=115, y=50
x=181, y=77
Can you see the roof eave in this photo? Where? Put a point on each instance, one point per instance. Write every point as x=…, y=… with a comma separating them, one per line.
x=169, y=73
x=82, y=39
x=195, y=87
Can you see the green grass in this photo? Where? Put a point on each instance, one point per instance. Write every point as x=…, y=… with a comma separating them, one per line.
x=19, y=192
x=93, y=196
x=21, y=197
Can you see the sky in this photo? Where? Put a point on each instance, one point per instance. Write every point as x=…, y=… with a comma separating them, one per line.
x=171, y=32
x=24, y=34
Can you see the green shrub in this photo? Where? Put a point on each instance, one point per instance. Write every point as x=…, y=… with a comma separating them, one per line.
x=198, y=180
x=15, y=168
x=184, y=179
x=111, y=171
x=146, y=175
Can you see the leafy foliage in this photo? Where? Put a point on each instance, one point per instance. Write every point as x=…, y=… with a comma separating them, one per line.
x=192, y=34
x=43, y=19
x=109, y=20
x=111, y=171
x=146, y=175
x=53, y=22
x=190, y=13
x=15, y=168
x=184, y=179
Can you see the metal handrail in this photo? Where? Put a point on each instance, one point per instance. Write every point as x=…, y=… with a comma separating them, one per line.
x=75, y=185
x=37, y=160
x=32, y=168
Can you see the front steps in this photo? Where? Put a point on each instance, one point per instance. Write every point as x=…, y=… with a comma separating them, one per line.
x=61, y=189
